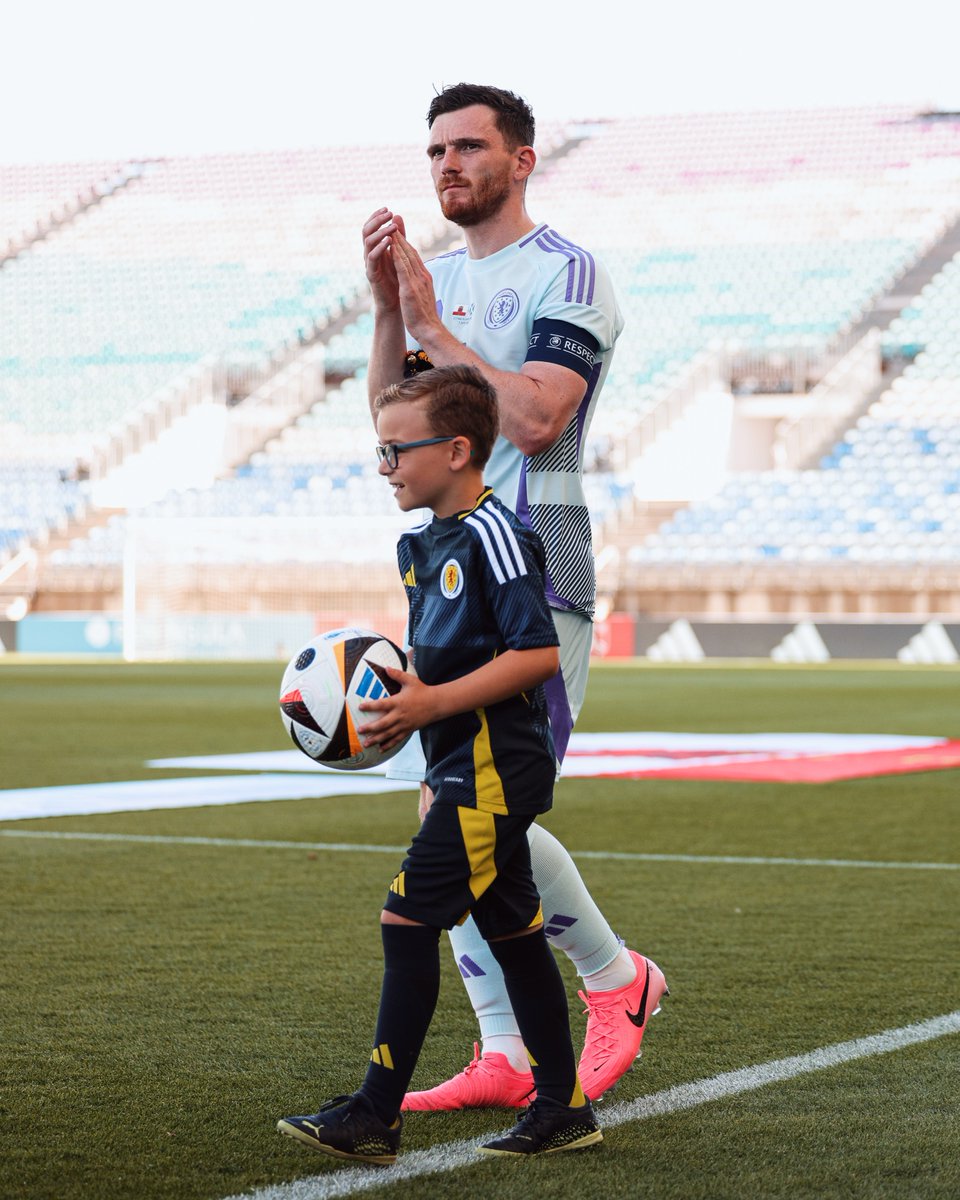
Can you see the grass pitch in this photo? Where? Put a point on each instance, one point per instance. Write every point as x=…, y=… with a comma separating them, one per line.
x=164, y=1001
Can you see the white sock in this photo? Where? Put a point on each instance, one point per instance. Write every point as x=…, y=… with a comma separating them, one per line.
x=511, y=1045
x=573, y=924
x=572, y=921
x=483, y=979
x=620, y=973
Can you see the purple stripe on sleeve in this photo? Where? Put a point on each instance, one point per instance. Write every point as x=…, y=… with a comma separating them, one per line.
x=576, y=256
x=588, y=275
x=571, y=280
x=547, y=245
x=448, y=254
x=531, y=236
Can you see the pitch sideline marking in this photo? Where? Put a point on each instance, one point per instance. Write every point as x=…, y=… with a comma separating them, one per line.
x=171, y=840
x=457, y=1155
x=360, y=848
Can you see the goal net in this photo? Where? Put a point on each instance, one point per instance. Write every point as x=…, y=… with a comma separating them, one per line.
x=256, y=588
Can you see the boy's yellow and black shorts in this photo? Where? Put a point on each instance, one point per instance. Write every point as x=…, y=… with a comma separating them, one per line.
x=468, y=862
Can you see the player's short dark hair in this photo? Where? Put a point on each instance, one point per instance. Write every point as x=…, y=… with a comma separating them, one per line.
x=513, y=115
x=459, y=403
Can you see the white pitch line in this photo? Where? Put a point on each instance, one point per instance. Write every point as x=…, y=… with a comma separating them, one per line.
x=169, y=840
x=458, y=1155
x=360, y=848
x=744, y=860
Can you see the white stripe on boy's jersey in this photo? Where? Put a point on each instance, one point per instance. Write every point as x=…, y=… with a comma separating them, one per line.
x=512, y=547
x=501, y=563
x=488, y=546
x=510, y=554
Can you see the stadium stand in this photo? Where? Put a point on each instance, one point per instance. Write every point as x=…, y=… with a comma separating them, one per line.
x=756, y=254
x=36, y=199
x=887, y=494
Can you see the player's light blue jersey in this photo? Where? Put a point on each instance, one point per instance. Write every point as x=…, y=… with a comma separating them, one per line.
x=545, y=299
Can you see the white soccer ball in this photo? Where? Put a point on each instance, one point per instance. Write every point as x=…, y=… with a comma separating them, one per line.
x=322, y=689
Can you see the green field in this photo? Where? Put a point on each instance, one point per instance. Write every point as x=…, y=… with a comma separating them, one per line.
x=165, y=1000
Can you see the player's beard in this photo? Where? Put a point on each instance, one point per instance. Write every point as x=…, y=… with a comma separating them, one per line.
x=477, y=201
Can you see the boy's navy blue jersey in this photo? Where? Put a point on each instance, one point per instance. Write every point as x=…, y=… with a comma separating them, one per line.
x=475, y=584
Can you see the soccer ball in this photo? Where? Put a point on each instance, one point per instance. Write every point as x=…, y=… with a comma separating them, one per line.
x=322, y=688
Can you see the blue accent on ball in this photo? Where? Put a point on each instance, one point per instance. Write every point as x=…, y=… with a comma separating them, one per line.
x=370, y=687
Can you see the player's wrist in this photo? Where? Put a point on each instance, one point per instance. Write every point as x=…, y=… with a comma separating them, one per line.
x=385, y=305
x=436, y=340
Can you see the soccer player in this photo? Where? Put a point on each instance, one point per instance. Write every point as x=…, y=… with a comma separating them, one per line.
x=536, y=315
x=483, y=643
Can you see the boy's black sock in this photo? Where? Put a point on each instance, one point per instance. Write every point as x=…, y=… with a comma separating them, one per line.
x=411, y=984
x=539, y=999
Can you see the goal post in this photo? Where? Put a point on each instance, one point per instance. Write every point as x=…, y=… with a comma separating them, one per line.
x=255, y=587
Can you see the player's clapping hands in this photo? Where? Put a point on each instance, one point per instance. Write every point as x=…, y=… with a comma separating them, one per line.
x=418, y=300
x=378, y=233
x=397, y=275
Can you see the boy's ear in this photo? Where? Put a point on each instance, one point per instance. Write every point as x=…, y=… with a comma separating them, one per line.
x=461, y=452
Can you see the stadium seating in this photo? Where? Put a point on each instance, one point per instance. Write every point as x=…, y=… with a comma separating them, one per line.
x=759, y=234
x=37, y=197
x=888, y=492
x=227, y=256
x=33, y=502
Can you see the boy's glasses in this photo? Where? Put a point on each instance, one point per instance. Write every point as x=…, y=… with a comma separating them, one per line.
x=390, y=453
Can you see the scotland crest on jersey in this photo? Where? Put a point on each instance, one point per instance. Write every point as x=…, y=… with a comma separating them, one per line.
x=451, y=579
x=502, y=309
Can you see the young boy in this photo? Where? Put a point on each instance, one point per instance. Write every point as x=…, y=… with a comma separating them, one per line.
x=483, y=643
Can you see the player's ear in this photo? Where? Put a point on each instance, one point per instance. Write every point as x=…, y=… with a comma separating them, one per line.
x=526, y=161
